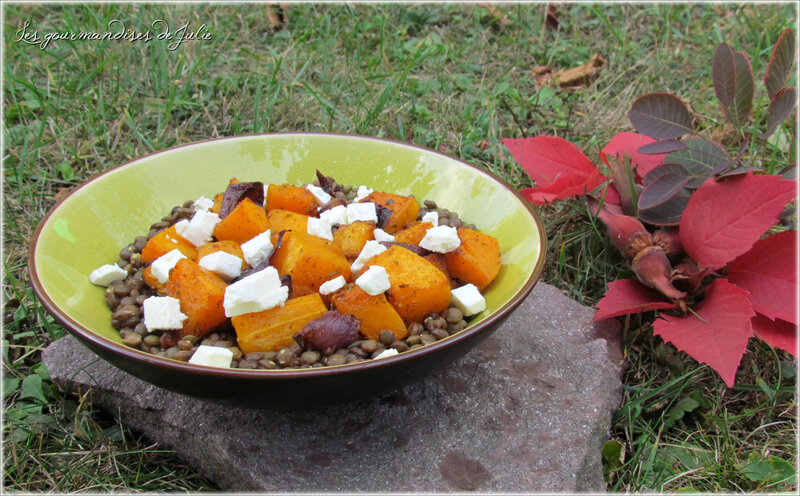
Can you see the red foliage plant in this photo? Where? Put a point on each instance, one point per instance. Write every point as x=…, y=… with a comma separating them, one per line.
x=714, y=264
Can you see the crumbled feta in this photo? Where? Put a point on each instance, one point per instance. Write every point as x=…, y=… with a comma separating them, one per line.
x=381, y=235
x=320, y=228
x=371, y=248
x=468, y=299
x=319, y=194
x=254, y=293
x=386, y=353
x=163, y=264
x=203, y=203
x=432, y=217
x=362, y=193
x=334, y=284
x=374, y=280
x=198, y=230
x=222, y=263
x=163, y=312
x=441, y=239
x=266, y=188
x=213, y=356
x=106, y=274
x=335, y=215
x=361, y=211
x=257, y=248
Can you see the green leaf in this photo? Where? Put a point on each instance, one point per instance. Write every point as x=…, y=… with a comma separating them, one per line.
x=64, y=170
x=770, y=470
x=681, y=408
x=779, y=63
x=10, y=384
x=613, y=453
x=32, y=388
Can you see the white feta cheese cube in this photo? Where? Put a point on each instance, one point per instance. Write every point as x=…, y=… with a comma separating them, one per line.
x=319, y=194
x=198, y=230
x=163, y=264
x=203, y=203
x=361, y=211
x=320, y=228
x=386, y=353
x=362, y=193
x=266, y=188
x=441, y=239
x=163, y=312
x=213, y=356
x=374, y=280
x=432, y=217
x=254, y=293
x=381, y=235
x=257, y=249
x=106, y=274
x=334, y=284
x=468, y=299
x=370, y=249
x=335, y=215
x=223, y=264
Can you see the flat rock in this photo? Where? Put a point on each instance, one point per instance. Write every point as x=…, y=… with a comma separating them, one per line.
x=526, y=411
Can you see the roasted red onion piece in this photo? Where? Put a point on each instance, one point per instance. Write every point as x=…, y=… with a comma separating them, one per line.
x=327, y=186
x=408, y=246
x=329, y=333
x=383, y=215
x=333, y=203
x=236, y=192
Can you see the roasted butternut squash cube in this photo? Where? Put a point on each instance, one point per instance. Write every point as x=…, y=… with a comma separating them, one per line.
x=292, y=198
x=413, y=234
x=417, y=286
x=279, y=220
x=404, y=209
x=244, y=222
x=166, y=241
x=309, y=260
x=375, y=312
x=476, y=260
x=271, y=330
x=226, y=245
x=351, y=238
x=201, y=293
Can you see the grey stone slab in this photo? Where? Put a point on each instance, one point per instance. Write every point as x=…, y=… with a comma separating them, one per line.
x=525, y=411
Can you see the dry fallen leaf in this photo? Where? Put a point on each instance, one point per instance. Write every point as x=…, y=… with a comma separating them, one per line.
x=551, y=16
x=277, y=16
x=542, y=74
x=581, y=76
x=62, y=193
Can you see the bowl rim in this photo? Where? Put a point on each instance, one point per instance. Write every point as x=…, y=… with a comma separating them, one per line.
x=174, y=366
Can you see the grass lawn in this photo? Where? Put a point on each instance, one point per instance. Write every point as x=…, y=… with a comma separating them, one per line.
x=452, y=77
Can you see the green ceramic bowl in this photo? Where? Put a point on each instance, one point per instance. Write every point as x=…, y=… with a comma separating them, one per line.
x=88, y=229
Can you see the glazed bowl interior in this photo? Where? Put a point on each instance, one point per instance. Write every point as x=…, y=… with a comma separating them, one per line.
x=89, y=227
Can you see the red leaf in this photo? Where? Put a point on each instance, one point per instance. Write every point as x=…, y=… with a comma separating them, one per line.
x=557, y=166
x=628, y=144
x=629, y=296
x=724, y=218
x=564, y=187
x=720, y=338
x=769, y=272
x=778, y=333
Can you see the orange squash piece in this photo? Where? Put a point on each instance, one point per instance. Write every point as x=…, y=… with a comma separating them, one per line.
x=404, y=209
x=439, y=261
x=279, y=220
x=413, y=234
x=245, y=221
x=153, y=282
x=351, y=238
x=309, y=260
x=226, y=245
x=417, y=286
x=166, y=241
x=201, y=293
x=292, y=198
x=476, y=260
x=218, y=198
x=271, y=330
x=375, y=312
